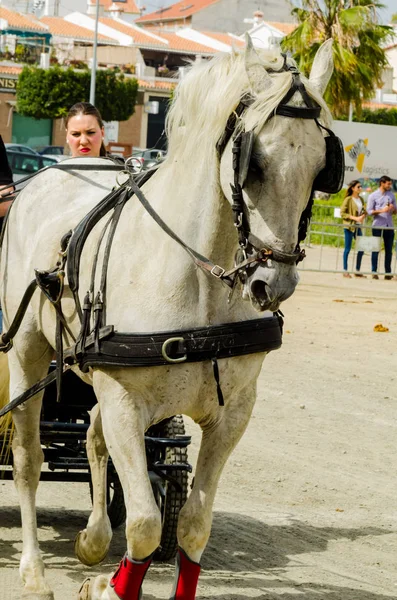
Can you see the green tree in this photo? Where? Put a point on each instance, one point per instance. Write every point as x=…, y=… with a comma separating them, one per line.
x=393, y=18
x=49, y=93
x=358, y=49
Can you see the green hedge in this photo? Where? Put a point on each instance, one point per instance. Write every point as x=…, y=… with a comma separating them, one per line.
x=381, y=116
x=49, y=93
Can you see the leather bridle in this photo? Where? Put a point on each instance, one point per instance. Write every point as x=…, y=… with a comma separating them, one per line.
x=253, y=250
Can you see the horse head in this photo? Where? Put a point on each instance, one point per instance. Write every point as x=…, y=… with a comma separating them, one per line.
x=271, y=152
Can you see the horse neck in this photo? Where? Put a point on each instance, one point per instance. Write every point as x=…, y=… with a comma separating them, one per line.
x=196, y=209
x=194, y=206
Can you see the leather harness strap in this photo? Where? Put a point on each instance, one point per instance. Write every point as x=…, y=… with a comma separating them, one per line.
x=200, y=260
x=107, y=343
x=196, y=344
x=243, y=141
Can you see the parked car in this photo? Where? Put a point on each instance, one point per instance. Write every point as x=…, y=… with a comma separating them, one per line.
x=19, y=148
x=51, y=150
x=149, y=157
x=56, y=157
x=25, y=163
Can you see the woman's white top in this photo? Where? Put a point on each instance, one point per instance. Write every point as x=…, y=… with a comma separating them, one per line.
x=359, y=204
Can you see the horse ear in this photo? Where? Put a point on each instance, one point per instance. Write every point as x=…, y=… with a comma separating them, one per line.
x=322, y=68
x=258, y=77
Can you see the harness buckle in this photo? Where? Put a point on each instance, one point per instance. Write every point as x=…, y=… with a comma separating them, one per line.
x=217, y=271
x=165, y=347
x=6, y=346
x=239, y=220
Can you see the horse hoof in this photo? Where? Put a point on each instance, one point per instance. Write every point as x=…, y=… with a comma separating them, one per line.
x=85, y=592
x=90, y=559
x=96, y=588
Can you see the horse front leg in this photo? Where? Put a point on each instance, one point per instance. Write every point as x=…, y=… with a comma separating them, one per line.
x=220, y=436
x=28, y=458
x=124, y=421
x=92, y=544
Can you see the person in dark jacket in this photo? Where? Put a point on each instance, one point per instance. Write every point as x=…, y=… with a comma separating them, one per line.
x=5, y=179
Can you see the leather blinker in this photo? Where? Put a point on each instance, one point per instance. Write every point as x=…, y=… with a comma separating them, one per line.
x=247, y=144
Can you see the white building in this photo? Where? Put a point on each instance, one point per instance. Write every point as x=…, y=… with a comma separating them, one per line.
x=267, y=34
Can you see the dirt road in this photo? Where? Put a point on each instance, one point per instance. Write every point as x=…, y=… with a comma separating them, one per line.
x=307, y=506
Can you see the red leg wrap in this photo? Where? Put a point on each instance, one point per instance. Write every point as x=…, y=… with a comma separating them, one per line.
x=127, y=581
x=187, y=574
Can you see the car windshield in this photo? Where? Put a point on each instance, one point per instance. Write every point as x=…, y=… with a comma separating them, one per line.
x=22, y=163
x=52, y=150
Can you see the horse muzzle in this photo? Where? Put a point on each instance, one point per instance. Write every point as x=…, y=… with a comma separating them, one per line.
x=269, y=285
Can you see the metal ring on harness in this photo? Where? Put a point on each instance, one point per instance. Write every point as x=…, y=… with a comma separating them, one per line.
x=164, y=350
x=120, y=173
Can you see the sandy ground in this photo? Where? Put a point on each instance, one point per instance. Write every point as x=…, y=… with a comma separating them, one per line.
x=307, y=506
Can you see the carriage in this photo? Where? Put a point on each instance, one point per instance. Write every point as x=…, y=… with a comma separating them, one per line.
x=63, y=432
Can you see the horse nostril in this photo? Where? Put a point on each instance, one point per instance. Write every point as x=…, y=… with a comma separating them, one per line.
x=258, y=290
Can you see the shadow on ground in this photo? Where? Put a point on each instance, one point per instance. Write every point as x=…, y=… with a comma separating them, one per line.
x=243, y=553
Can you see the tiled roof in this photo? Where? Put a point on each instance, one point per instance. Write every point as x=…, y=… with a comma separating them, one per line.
x=128, y=6
x=156, y=85
x=18, y=21
x=61, y=27
x=180, y=10
x=10, y=70
x=285, y=28
x=375, y=105
x=139, y=35
x=177, y=43
x=225, y=38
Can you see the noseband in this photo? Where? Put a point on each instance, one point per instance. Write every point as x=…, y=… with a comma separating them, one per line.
x=243, y=143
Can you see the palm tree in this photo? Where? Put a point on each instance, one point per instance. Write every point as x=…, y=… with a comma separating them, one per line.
x=358, y=49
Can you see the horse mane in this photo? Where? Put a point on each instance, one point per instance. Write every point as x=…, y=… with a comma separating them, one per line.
x=210, y=92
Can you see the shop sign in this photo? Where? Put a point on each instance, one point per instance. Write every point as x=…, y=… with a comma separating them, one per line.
x=111, y=131
x=8, y=84
x=152, y=107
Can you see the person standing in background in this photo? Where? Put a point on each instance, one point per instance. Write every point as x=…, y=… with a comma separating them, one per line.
x=5, y=179
x=382, y=205
x=353, y=214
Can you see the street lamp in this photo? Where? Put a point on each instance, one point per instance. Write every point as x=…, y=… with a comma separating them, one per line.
x=94, y=58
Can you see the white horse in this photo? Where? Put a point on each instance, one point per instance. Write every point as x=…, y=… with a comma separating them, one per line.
x=154, y=286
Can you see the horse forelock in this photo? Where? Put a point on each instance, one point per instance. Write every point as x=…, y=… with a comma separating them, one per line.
x=210, y=92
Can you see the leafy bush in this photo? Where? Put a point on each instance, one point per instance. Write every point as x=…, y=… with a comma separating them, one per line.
x=381, y=116
x=49, y=93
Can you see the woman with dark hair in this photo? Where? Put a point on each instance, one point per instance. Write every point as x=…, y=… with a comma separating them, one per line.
x=85, y=131
x=352, y=212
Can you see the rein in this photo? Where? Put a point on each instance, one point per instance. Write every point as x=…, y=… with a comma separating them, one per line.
x=101, y=345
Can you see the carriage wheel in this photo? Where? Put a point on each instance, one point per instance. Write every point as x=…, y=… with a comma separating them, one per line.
x=169, y=498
